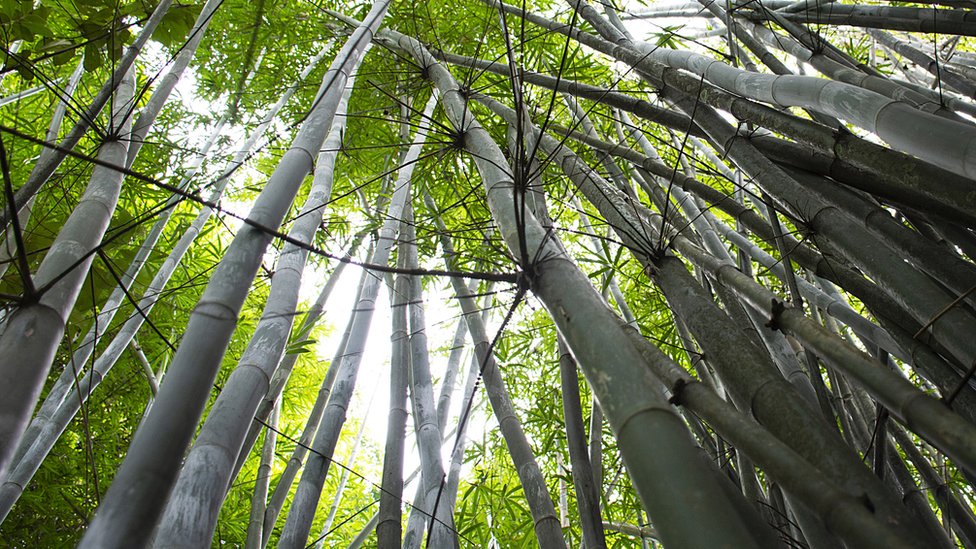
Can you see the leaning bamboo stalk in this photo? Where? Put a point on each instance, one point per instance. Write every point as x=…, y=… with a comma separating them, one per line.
x=42, y=171
x=297, y=459
x=904, y=345
x=958, y=22
x=301, y=513
x=904, y=176
x=926, y=62
x=191, y=513
x=33, y=332
x=59, y=408
x=86, y=347
x=952, y=271
x=809, y=206
x=834, y=306
x=389, y=524
x=587, y=496
x=920, y=412
x=914, y=291
x=845, y=515
x=440, y=533
x=8, y=250
x=298, y=524
x=873, y=112
x=147, y=116
x=340, y=489
x=838, y=71
x=546, y=522
x=133, y=504
x=284, y=370
x=754, y=382
x=259, y=500
x=756, y=47
x=613, y=369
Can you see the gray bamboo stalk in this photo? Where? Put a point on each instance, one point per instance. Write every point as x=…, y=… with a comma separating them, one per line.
x=284, y=370
x=43, y=170
x=904, y=176
x=299, y=521
x=910, y=288
x=301, y=513
x=132, y=506
x=756, y=47
x=931, y=365
x=8, y=250
x=922, y=413
x=566, y=291
x=946, y=75
x=389, y=526
x=855, y=402
x=259, y=500
x=428, y=506
x=926, y=20
x=147, y=116
x=844, y=514
x=146, y=369
x=943, y=142
x=59, y=409
x=838, y=71
x=864, y=251
x=835, y=306
x=15, y=97
x=642, y=532
x=297, y=459
x=707, y=223
x=340, y=489
x=33, y=332
x=86, y=347
x=547, y=528
x=191, y=514
x=754, y=382
x=954, y=272
x=960, y=516
x=587, y=496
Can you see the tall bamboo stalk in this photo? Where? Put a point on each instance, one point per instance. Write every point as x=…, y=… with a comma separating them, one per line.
x=636, y=404
x=67, y=395
x=191, y=514
x=33, y=332
x=133, y=504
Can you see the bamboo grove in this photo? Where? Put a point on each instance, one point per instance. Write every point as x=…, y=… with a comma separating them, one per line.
x=675, y=273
